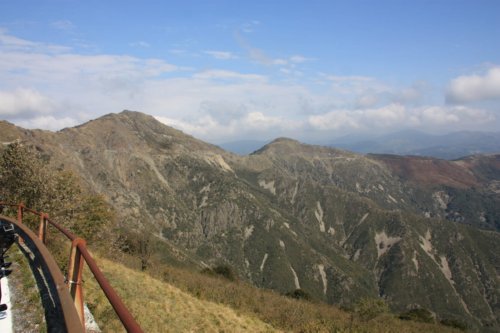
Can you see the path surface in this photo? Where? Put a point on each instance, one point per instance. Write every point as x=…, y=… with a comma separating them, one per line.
x=6, y=316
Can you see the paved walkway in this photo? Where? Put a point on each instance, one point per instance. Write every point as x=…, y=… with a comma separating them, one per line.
x=6, y=316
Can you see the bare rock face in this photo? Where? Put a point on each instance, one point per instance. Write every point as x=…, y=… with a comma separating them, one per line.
x=338, y=224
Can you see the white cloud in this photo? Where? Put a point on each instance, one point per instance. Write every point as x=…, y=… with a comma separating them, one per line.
x=12, y=43
x=24, y=102
x=218, y=110
x=436, y=115
x=260, y=121
x=348, y=79
x=386, y=116
x=299, y=59
x=202, y=127
x=396, y=116
x=221, y=55
x=357, y=91
x=367, y=101
x=383, y=117
x=411, y=94
x=334, y=120
x=37, y=80
x=278, y=61
x=47, y=89
x=472, y=88
x=446, y=115
x=215, y=74
x=251, y=124
x=49, y=122
x=354, y=85
x=91, y=83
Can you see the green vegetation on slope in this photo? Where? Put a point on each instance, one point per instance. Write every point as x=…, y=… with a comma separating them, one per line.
x=178, y=300
x=337, y=225
x=26, y=176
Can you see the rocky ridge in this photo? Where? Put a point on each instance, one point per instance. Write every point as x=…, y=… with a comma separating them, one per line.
x=336, y=224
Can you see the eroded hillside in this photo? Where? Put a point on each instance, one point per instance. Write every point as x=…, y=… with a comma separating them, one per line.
x=336, y=224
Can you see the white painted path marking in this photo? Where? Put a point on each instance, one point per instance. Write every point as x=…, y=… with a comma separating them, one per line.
x=5, y=316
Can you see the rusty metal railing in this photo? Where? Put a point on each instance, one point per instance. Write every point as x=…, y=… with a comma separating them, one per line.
x=78, y=255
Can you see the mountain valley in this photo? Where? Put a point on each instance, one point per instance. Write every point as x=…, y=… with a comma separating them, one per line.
x=419, y=232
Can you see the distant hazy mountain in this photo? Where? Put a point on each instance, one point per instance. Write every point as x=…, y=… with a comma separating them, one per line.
x=410, y=142
x=419, y=232
x=242, y=147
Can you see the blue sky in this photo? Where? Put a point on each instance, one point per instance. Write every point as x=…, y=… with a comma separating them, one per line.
x=231, y=70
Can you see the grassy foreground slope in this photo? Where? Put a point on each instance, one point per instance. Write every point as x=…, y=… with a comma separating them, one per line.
x=192, y=302
x=161, y=307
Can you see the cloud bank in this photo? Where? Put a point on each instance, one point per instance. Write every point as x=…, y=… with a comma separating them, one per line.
x=50, y=86
x=474, y=88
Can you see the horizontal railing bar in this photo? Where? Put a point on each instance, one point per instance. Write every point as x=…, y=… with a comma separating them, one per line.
x=8, y=204
x=120, y=309
x=71, y=320
x=71, y=236
x=26, y=209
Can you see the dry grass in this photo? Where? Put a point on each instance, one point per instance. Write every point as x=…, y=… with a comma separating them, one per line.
x=282, y=312
x=202, y=303
x=179, y=300
x=160, y=307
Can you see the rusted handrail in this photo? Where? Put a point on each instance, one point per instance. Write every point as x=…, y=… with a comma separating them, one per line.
x=71, y=236
x=78, y=251
x=71, y=320
x=115, y=300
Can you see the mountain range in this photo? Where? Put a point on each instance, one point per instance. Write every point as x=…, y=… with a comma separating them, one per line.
x=448, y=146
x=416, y=231
x=411, y=142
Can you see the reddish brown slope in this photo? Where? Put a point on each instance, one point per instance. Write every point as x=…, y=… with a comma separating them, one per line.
x=431, y=171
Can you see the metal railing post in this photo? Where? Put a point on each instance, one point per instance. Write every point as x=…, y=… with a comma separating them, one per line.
x=20, y=209
x=78, y=255
x=42, y=230
x=67, y=319
x=74, y=279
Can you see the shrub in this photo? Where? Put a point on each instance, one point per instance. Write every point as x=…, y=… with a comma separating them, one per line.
x=422, y=315
x=27, y=176
x=224, y=271
x=454, y=323
x=369, y=308
x=299, y=294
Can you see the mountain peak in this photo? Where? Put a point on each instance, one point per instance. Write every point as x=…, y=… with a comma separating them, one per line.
x=284, y=140
x=286, y=146
x=136, y=115
x=136, y=128
x=128, y=116
x=280, y=145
